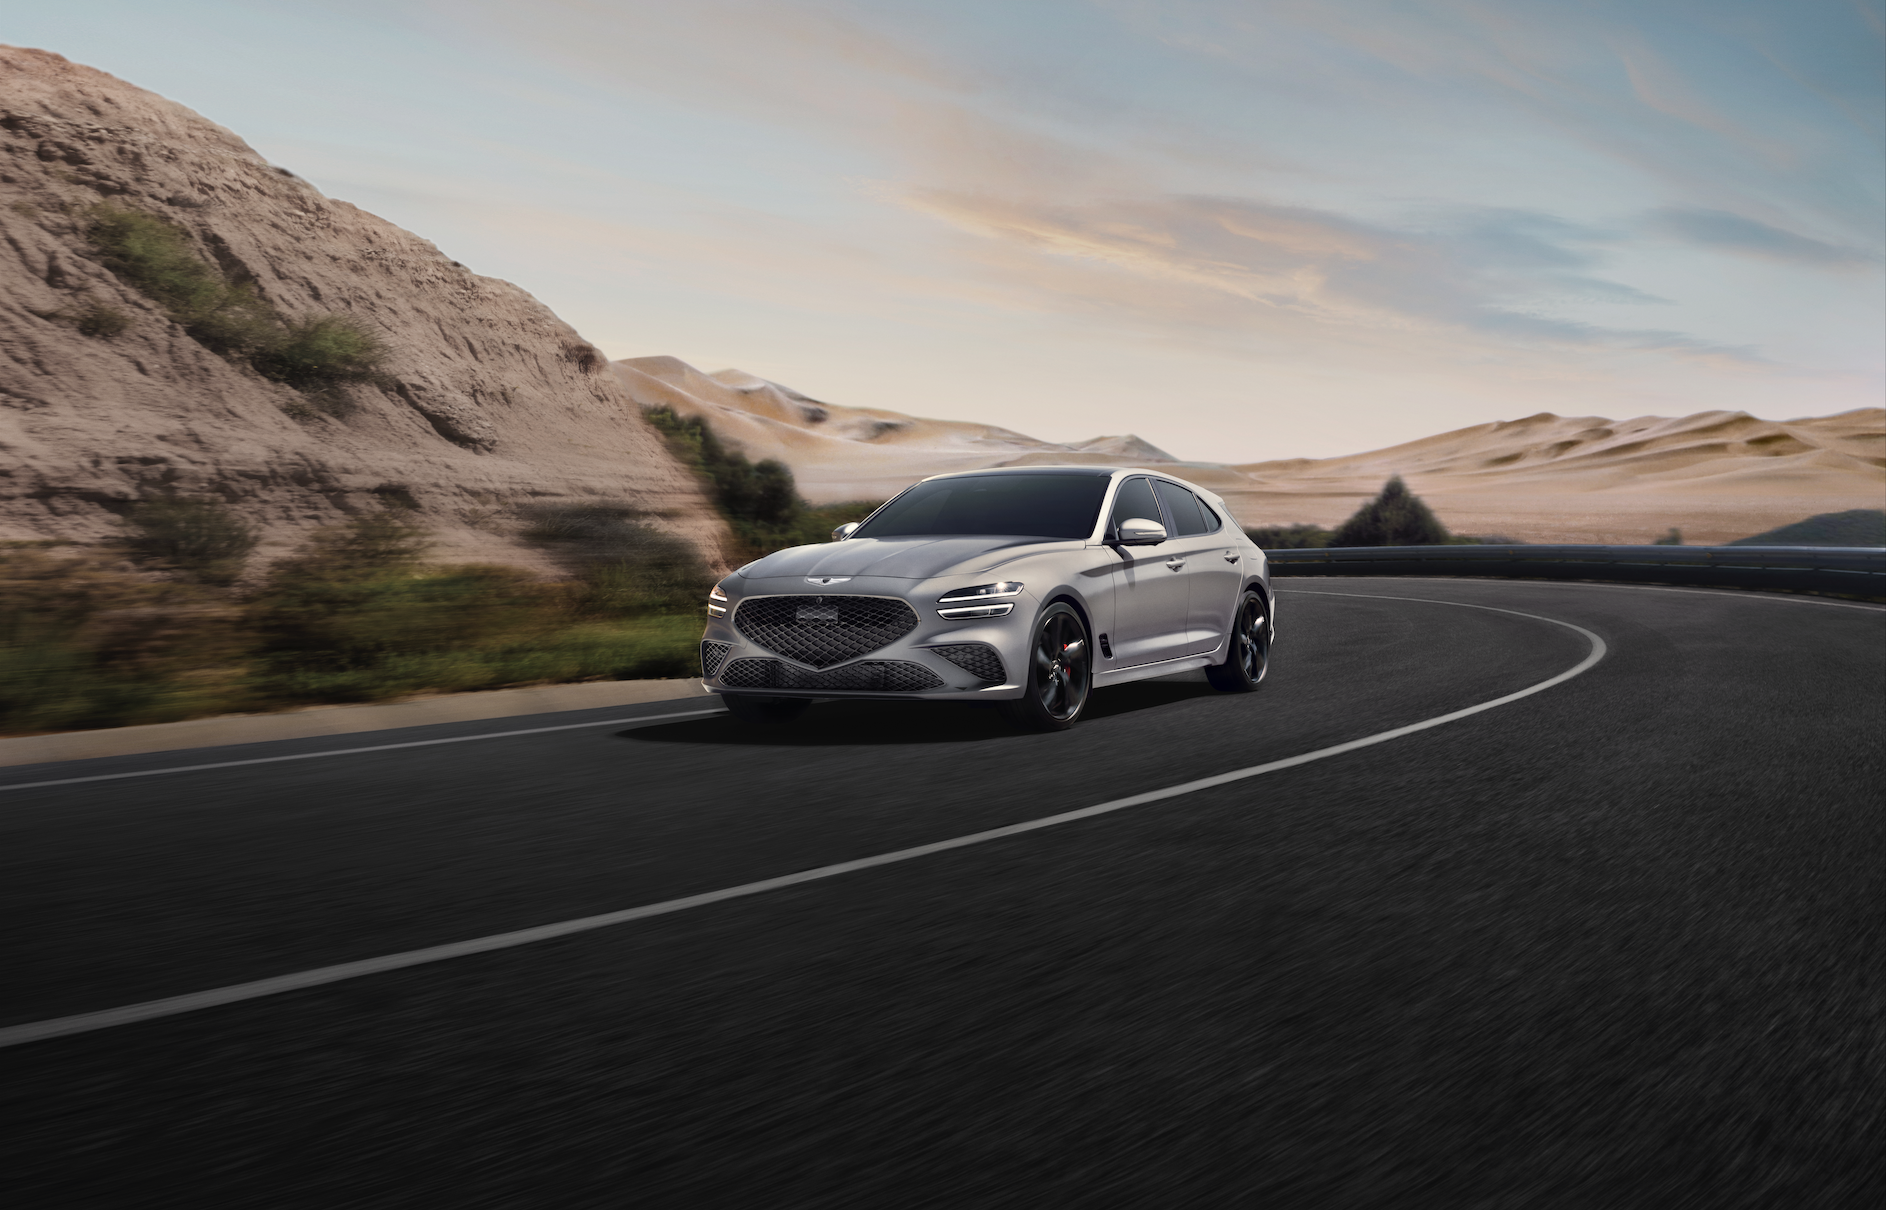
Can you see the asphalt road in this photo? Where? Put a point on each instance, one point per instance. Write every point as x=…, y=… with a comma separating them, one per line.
x=1615, y=944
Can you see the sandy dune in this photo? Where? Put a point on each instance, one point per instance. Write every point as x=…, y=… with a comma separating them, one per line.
x=1546, y=478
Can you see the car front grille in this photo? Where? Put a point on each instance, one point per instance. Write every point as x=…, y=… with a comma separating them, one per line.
x=871, y=676
x=713, y=655
x=823, y=631
x=977, y=659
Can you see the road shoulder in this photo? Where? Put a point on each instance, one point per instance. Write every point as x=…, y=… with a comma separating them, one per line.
x=340, y=720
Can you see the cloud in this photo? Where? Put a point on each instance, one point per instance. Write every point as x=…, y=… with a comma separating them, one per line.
x=1487, y=277
x=1735, y=233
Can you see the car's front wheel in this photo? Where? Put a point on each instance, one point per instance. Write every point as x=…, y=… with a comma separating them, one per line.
x=1247, y=656
x=751, y=708
x=1060, y=672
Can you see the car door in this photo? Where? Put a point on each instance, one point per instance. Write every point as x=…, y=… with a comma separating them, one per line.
x=1197, y=545
x=1219, y=577
x=1151, y=602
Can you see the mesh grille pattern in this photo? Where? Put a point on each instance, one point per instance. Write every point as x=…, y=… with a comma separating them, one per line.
x=822, y=631
x=977, y=659
x=713, y=655
x=876, y=676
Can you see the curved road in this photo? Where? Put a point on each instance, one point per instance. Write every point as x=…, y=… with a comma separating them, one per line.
x=1613, y=944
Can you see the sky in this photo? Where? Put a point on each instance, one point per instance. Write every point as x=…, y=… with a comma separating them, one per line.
x=1242, y=230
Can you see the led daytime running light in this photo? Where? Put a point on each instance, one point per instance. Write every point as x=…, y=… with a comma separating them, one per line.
x=981, y=592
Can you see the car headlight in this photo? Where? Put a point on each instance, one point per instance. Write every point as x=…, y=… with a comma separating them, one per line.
x=982, y=601
x=716, y=602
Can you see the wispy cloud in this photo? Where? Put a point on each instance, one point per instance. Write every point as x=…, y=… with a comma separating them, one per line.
x=1490, y=275
x=1413, y=214
x=1737, y=233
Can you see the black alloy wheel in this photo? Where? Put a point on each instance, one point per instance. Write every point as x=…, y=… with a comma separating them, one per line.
x=1247, y=656
x=1060, y=672
x=763, y=711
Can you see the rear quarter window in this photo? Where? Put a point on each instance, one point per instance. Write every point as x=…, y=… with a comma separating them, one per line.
x=1184, y=509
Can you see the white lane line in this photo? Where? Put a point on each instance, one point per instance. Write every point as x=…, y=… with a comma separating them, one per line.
x=418, y=743
x=34, y=1031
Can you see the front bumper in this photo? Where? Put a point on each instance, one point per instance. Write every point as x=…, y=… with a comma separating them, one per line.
x=912, y=667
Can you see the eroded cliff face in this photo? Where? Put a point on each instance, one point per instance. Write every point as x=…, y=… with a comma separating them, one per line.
x=488, y=399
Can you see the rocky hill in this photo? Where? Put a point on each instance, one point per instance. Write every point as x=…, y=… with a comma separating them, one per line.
x=483, y=398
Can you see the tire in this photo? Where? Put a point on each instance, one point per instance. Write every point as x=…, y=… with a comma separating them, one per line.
x=764, y=711
x=1247, y=655
x=1060, y=673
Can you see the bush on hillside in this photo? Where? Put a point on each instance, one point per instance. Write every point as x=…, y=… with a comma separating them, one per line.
x=204, y=539
x=315, y=356
x=1396, y=517
x=760, y=501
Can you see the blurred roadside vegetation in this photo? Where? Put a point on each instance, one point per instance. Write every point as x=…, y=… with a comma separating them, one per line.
x=759, y=500
x=317, y=355
x=170, y=622
x=156, y=628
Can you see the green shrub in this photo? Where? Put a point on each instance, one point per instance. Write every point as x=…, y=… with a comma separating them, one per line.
x=760, y=501
x=156, y=256
x=1396, y=517
x=82, y=645
x=354, y=615
x=316, y=356
x=323, y=352
x=625, y=565
x=1673, y=538
x=203, y=538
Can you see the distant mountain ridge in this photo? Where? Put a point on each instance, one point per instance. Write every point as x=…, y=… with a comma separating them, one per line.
x=1543, y=477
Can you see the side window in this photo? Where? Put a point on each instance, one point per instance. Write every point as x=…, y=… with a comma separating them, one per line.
x=1135, y=499
x=1212, y=521
x=1182, y=507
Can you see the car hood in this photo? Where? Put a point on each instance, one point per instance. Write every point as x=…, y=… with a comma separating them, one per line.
x=895, y=558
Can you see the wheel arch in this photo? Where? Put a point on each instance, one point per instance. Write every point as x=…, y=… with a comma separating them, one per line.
x=1069, y=597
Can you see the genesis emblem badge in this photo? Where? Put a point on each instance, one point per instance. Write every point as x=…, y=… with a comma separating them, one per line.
x=826, y=579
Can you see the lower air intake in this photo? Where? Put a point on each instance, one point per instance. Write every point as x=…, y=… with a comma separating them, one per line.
x=870, y=676
x=713, y=655
x=977, y=659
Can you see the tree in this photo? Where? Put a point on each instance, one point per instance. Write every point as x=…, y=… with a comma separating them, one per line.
x=1397, y=517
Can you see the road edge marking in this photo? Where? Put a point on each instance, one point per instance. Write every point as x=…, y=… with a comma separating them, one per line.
x=417, y=743
x=170, y=1006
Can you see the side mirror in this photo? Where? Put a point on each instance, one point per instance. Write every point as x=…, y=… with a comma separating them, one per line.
x=844, y=531
x=1138, y=531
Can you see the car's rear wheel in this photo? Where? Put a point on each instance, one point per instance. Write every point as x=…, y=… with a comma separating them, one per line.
x=1247, y=655
x=1060, y=672
x=764, y=711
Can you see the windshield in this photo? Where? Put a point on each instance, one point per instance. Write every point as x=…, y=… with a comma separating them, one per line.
x=1029, y=506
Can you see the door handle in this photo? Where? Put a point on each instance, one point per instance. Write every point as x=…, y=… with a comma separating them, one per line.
x=1231, y=556
x=1174, y=564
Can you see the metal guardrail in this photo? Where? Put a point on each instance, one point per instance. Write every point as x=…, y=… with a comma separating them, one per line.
x=1839, y=571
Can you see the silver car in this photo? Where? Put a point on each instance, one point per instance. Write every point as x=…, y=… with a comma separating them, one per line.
x=1026, y=586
